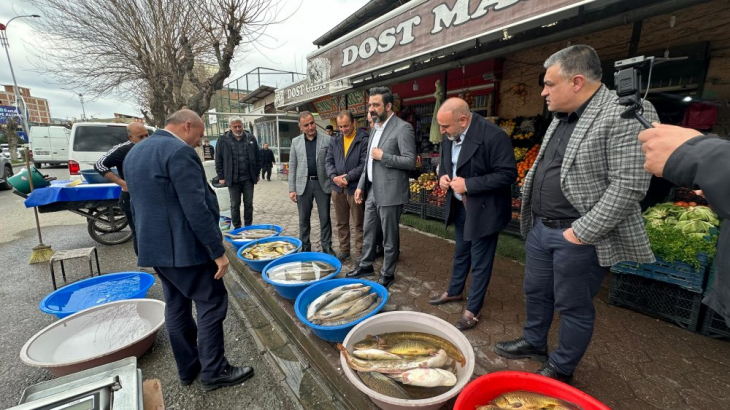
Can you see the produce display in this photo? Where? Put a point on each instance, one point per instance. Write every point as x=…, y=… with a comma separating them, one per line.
x=523, y=136
x=269, y=250
x=405, y=365
x=427, y=181
x=342, y=305
x=679, y=231
x=437, y=197
x=525, y=400
x=520, y=153
x=300, y=272
x=524, y=166
x=251, y=234
x=507, y=126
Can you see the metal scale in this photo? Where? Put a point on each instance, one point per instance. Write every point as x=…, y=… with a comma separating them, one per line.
x=113, y=386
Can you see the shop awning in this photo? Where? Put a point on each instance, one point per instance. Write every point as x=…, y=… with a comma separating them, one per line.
x=258, y=94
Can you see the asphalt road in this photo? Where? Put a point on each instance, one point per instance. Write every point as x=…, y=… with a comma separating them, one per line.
x=22, y=286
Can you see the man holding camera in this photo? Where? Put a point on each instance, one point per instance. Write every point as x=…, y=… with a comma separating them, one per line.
x=580, y=210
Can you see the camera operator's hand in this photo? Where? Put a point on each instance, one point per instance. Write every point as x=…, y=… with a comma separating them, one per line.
x=660, y=142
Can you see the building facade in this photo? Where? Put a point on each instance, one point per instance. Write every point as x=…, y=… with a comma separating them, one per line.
x=38, y=110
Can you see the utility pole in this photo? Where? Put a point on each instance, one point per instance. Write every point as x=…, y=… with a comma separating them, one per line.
x=83, y=116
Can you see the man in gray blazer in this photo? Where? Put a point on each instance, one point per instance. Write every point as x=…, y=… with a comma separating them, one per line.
x=580, y=209
x=384, y=184
x=308, y=181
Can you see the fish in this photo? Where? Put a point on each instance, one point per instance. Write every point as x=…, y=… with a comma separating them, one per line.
x=420, y=393
x=332, y=311
x=488, y=407
x=338, y=321
x=300, y=271
x=393, y=366
x=352, y=294
x=426, y=377
x=269, y=250
x=361, y=309
x=525, y=400
x=375, y=354
x=412, y=348
x=384, y=340
x=383, y=385
x=328, y=297
x=251, y=234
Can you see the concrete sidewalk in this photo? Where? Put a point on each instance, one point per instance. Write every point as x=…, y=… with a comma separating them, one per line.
x=634, y=361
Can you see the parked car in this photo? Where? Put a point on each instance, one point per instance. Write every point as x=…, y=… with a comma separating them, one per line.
x=5, y=172
x=50, y=145
x=89, y=141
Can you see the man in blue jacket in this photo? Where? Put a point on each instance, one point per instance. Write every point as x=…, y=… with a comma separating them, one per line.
x=346, y=157
x=176, y=216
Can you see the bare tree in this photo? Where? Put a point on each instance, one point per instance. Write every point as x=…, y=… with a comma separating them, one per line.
x=11, y=135
x=150, y=51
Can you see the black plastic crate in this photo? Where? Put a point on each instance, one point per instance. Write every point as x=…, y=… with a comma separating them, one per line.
x=435, y=212
x=513, y=228
x=714, y=325
x=677, y=272
x=416, y=203
x=662, y=300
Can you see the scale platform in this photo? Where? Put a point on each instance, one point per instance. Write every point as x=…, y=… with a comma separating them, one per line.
x=112, y=386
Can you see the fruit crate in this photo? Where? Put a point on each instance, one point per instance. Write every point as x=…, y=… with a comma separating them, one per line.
x=435, y=211
x=513, y=228
x=677, y=273
x=416, y=203
x=658, y=299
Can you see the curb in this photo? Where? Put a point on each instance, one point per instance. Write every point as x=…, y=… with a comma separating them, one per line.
x=310, y=348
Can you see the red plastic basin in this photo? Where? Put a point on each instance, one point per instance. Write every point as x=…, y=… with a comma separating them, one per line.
x=486, y=388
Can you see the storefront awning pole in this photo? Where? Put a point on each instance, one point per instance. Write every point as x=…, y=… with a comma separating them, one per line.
x=278, y=140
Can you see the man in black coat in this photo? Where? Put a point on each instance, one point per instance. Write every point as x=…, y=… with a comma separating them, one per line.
x=477, y=168
x=346, y=158
x=688, y=158
x=238, y=164
x=267, y=162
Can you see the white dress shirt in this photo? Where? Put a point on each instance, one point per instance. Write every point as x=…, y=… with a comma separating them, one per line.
x=376, y=140
x=455, y=151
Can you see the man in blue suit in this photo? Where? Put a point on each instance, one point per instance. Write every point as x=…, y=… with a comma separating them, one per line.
x=176, y=216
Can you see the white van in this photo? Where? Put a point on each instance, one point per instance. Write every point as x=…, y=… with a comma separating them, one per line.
x=90, y=140
x=49, y=145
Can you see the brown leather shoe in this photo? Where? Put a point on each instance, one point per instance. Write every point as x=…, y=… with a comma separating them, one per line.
x=444, y=298
x=467, y=321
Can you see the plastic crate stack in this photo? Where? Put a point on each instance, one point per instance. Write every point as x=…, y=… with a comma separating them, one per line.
x=713, y=325
x=672, y=291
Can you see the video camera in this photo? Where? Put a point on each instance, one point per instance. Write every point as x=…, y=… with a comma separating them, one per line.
x=627, y=80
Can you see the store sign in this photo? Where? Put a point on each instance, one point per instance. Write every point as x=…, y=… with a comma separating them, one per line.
x=422, y=27
x=307, y=90
x=328, y=107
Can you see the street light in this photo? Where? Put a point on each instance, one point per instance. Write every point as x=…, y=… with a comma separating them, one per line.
x=4, y=40
x=81, y=98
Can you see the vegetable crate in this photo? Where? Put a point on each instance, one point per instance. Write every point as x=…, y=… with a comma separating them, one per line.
x=676, y=273
x=435, y=212
x=713, y=325
x=665, y=301
x=513, y=228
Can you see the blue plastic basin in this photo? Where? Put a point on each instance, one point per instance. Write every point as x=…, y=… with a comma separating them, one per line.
x=95, y=291
x=292, y=290
x=239, y=243
x=93, y=177
x=334, y=334
x=259, y=265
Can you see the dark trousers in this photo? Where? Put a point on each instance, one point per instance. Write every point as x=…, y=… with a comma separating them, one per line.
x=383, y=220
x=561, y=276
x=266, y=172
x=195, y=346
x=313, y=192
x=236, y=190
x=477, y=255
x=125, y=202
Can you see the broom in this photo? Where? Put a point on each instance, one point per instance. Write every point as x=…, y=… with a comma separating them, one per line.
x=41, y=253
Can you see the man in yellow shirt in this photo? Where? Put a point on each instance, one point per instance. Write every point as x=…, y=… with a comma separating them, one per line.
x=346, y=157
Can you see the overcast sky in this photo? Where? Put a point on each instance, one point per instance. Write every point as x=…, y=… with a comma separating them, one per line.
x=287, y=48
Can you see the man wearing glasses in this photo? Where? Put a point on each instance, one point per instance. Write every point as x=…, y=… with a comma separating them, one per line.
x=114, y=158
x=238, y=167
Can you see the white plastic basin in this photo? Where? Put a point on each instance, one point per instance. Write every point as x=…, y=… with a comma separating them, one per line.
x=96, y=336
x=410, y=322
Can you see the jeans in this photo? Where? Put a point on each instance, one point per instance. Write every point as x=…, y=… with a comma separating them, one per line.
x=236, y=190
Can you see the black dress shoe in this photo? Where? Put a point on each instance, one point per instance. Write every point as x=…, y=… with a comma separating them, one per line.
x=444, y=298
x=360, y=271
x=386, y=281
x=343, y=256
x=467, y=320
x=549, y=370
x=329, y=251
x=231, y=376
x=306, y=249
x=520, y=349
